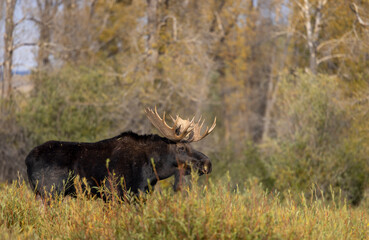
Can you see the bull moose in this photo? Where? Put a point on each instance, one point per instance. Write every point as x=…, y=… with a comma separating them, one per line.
x=130, y=157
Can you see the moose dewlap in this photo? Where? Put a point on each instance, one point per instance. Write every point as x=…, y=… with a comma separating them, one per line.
x=52, y=165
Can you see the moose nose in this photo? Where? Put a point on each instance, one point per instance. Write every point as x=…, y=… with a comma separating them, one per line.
x=207, y=166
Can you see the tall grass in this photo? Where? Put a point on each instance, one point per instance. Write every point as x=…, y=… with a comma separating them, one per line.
x=209, y=211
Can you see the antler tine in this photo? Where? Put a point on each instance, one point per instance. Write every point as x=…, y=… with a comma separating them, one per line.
x=197, y=131
x=189, y=131
x=184, y=131
x=192, y=120
x=175, y=121
x=199, y=119
x=161, y=119
x=205, y=133
x=202, y=123
x=165, y=129
x=213, y=125
x=156, y=112
x=208, y=131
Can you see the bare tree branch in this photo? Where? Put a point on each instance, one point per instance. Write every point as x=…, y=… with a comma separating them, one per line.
x=358, y=37
x=23, y=45
x=333, y=42
x=354, y=8
x=36, y=20
x=329, y=57
x=289, y=32
x=20, y=21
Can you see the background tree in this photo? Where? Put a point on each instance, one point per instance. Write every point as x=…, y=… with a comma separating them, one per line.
x=45, y=13
x=8, y=48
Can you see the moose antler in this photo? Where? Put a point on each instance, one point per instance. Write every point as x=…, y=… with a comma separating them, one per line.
x=175, y=133
x=196, y=130
x=182, y=130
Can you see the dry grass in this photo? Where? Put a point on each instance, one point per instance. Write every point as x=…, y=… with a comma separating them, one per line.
x=211, y=211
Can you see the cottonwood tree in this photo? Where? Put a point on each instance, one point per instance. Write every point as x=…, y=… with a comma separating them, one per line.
x=44, y=17
x=312, y=20
x=13, y=145
x=10, y=45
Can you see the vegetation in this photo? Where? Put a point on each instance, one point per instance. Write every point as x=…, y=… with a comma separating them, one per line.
x=210, y=211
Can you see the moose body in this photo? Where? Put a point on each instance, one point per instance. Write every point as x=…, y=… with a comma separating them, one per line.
x=137, y=160
x=54, y=163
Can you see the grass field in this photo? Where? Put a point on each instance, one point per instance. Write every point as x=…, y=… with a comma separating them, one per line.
x=210, y=211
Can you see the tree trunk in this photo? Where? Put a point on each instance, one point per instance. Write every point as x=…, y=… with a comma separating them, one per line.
x=273, y=88
x=312, y=32
x=152, y=24
x=8, y=48
x=47, y=10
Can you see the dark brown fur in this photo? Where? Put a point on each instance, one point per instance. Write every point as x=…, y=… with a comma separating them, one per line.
x=54, y=163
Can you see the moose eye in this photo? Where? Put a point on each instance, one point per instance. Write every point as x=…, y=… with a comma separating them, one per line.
x=181, y=149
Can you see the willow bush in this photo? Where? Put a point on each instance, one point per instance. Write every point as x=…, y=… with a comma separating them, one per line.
x=316, y=138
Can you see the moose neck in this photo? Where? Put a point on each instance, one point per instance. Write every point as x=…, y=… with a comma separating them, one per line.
x=162, y=158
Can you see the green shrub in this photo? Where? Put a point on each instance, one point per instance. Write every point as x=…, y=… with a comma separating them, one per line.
x=249, y=164
x=71, y=104
x=316, y=141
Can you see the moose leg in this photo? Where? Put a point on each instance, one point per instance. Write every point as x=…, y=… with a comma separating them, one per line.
x=51, y=181
x=178, y=179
